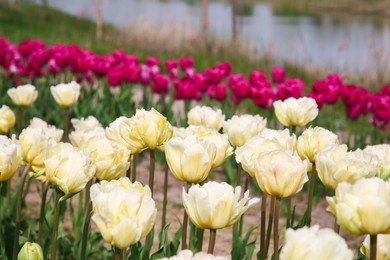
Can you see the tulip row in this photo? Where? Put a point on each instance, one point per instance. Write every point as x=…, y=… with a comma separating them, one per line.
x=31, y=59
x=124, y=211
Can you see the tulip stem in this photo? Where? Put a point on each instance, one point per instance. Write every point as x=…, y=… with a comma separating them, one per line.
x=118, y=254
x=18, y=211
x=262, y=225
x=336, y=226
x=185, y=224
x=45, y=188
x=133, y=167
x=87, y=220
x=213, y=234
x=87, y=197
x=20, y=123
x=165, y=201
x=238, y=181
x=151, y=169
x=67, y=115
x=311, y=192
x=53, y=251
x=276, y=229
x=373, y=246
x=200, y=240
x=246, y=185
x=269, y=227
x=289, y=221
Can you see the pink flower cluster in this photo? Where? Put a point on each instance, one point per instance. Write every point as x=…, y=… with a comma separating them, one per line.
x=33, y=59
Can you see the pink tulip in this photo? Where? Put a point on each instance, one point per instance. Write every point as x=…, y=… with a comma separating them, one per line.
x=160, y=84
x=278, y=75
x=290, y=88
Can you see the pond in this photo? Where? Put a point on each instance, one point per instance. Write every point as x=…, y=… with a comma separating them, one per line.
x=346, y=43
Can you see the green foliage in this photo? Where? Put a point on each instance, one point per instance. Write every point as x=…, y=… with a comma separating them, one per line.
x=242, y=248
x=166, y=248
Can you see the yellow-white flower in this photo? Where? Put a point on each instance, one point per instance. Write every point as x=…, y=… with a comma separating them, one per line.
x=146, y=129
x=198, y=131
x=68, y=167
x=241, y=128
x=124, y=212
x=51, y=131
x=223, y=148
x=190, y=159
x=7, y=119
x=82, y=126
x=296, y=112
x=24, y=95
x=313, y=140
x=250, y=151
x=314, y=243
x=31, y=251
x=188, y=255
x=10, y=158
x=120, y=131
x=66, y=95
x=206, y=116
x=34, y=142
x=335, y=164
x=383, y=247
x=152, y=128
x=362, y=207
x=216, y=205
x=280, y=173
x=111, y=159
x=284, y=137
x=381, y=154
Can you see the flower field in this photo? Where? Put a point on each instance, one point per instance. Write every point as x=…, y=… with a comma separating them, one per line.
x=91, y=131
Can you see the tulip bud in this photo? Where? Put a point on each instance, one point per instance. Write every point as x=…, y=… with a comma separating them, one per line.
x=223, y=148
x=66, y=95
x=146, y=129
x=111, y=159
x=296, y=112
x=24, y=95
x=381, y=158
x=280, y=173
x=124, y=212
x=30, y=251
x=335, y=164
x=34, y=142
x=188, y=255
x=247, y=154
x=51, y=131
x=68, y=168
x=362, y=207
x=10, y=158
x=314, y=243
x=206, y=116
x=7, y=119
x=82, y=126
x=313, y=140
x=190, y=159
x=216, y=205
x=241, y=128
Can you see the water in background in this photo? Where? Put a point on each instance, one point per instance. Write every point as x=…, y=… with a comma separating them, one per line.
x=343, y=43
